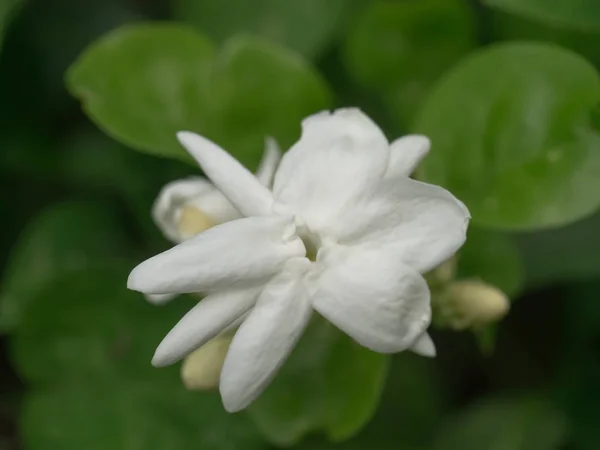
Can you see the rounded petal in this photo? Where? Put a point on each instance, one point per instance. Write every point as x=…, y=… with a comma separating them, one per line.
x=269, y=162
x=337, y=157
x=406, y=153
x=266, y=338
x=197, y=192
x=423, y=223
x=203, y=322
x=238, y=252
x=372, y=296
x=424, y=346
x=238, y=184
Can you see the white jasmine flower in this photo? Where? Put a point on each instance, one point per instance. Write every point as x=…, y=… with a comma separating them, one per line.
x=187, y=207
x=344, y=232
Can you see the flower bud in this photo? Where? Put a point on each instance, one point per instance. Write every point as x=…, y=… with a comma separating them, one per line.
x=192, y=221
x=470, y=304
x=201, y=369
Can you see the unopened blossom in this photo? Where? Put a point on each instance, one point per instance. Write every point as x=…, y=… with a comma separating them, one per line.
x=201, y=370
x=471, y=304
x=344, y=232
x=189, y=206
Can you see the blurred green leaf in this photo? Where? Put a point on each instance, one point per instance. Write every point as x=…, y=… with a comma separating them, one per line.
x=562, y=255
x=510, y=27
x=330, y=383
x=401, y=48
x=492, y=257
x=64, y=238
x=85, y=346
x=144, y=83
x=307, y=26
x=573, y=14
x=98, y=414
x=512, y=138
x=504, y=424
x=7, y=11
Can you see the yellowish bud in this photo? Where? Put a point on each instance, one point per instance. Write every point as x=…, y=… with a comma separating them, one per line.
x=470, y=304
x=445, y=272
x=201, y=370
x=193, y=221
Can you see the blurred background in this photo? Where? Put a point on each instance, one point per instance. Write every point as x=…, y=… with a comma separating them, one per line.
x=508, y=91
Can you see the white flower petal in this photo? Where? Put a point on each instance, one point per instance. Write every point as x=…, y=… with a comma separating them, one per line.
x=424, y=223
x=238, y=184
x=266, y=337
x=338, y=156
x=406, y=153
x=269, y=162
x=371, y=295
x=241, y=251
x=160, y=299
x=193, y=191
x=424, y=346
x=203, y=322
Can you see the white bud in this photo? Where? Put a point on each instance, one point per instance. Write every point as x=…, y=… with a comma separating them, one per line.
x=470, y=304
x=201, y=369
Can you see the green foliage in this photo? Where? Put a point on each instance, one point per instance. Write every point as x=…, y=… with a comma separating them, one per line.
x=330, y=383
x=505, y=423
x=7, y=10
x=514, y=130
x=571, y=14
x=492, y=257
x=512, y=137
x=306, y=26
x=400, y=48
x=86, y=347
x=64, y=238
x=144, y=83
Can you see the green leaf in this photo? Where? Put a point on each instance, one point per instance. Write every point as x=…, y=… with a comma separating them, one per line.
x=521, y=153
x=143, y=83
x=509, y=27
x=504, y=424
x=85, y=348
x=330, y=383
x=99, y=414
x=7, y=11
x=401, y=48
x=571, y=14
x=307, y=26
x=492, y=257
x=64, y=238
x=88, y=324
x=262, y=89
x=562, y=255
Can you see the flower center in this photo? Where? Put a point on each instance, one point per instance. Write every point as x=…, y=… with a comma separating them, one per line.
x=311, y=241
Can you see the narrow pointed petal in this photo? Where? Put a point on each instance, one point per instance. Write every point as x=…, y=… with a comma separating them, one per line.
x=372, y=296
x=406, y=153
x=193, y=191
x=239, y=252
x=203, y=322
x=238, y=184
x=266, y=338
x=160, y=299
x=337, y=157
x=424, y=346
x=423, y=223
x=269, y=162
